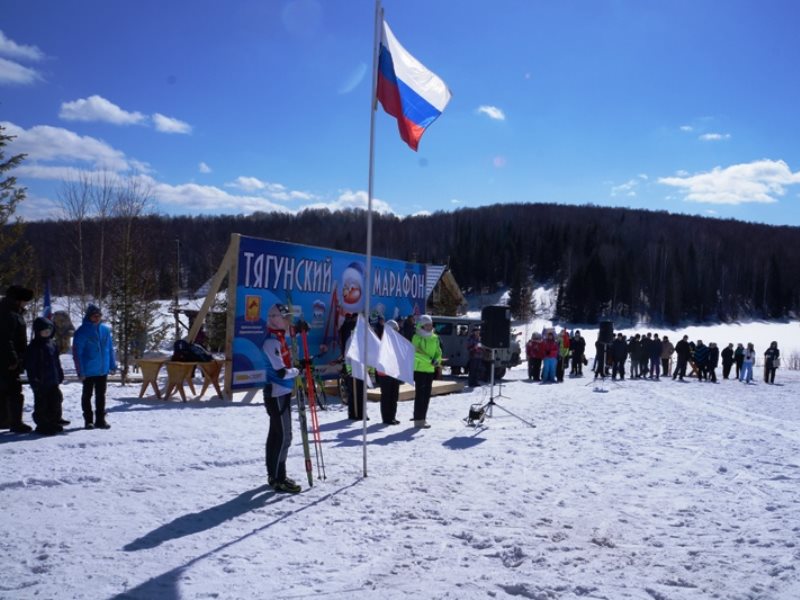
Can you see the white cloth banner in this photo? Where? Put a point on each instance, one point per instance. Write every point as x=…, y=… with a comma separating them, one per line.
x=356, y=355
x=396, y=356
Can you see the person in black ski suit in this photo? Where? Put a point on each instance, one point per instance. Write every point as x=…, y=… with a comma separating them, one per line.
x=44, y=376
x=619, y=354
x=701, y=360
x=656, y=347
x=390, y=387
x=771, y=361
x=644, y=355
x=738, y=359
x=713, y=362
x=683, y=350
x=727, y=361
x=13, y=343
x=634, y=345
x=578, y=347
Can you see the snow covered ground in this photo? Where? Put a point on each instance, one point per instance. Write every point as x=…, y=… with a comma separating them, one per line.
x=651, y=490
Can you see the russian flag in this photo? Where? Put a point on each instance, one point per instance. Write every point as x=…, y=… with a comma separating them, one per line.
x=407, y=90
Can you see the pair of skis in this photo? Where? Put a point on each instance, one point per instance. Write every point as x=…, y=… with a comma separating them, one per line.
x=302, y=392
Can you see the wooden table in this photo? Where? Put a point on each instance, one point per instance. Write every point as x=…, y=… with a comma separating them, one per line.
x=211, y=371
x=178, y=373
x=150, y=368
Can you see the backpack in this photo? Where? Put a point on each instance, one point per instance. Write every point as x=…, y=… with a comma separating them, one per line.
x=183, y=351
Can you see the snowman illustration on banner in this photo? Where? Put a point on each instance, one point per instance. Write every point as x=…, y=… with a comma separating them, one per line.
x=353, y=288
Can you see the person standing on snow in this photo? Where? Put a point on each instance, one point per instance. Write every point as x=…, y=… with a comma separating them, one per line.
x=535, y=353
x=684, y=352
x=713, y=362
x=427, y=356
x=390, y=387
x=44, y=376
x=550, y=357
x=738, y=358
x=475, y=350
x=13, y=343
x=93, y=353
x=727, y=360
x=771, y=361
x=278, y=399
x=667, y=350
x=748, y=360
x=578, y=347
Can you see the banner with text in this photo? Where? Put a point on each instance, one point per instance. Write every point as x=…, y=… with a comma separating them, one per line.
x=320, y=286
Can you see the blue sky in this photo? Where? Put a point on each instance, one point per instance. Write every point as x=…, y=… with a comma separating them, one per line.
x=683, y=106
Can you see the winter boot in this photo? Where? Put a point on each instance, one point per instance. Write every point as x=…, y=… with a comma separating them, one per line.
x=88, y=425
x=286, y=485
x=421, y=424
x=101, y=424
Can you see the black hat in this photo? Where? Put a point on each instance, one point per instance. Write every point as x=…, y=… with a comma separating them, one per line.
x=19, y=293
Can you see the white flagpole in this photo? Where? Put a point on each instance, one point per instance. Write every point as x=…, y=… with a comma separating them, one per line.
x=368, y=283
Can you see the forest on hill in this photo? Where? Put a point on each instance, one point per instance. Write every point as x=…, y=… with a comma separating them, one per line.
x=612, y=263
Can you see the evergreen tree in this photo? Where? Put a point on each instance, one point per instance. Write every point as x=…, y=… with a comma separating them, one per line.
x=520, y=299
x=11, y=252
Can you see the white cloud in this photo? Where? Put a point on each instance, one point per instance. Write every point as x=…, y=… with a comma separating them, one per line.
x=191, y=197
x=761, y=181
x=714, y=137
x=13, y=73
x=46, y=143
x=10, y=48
x=456, y=201
x=625, y=189
x=349, y=199
x=97, y=108
x=687, y=128
x=170, y=125
x=38, y=208
x=492, y=112
x=203, y=168
x=276, y=191
x=643, y=176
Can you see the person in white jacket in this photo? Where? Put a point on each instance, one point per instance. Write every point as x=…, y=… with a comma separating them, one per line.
x=278, y=398
x=747, y=365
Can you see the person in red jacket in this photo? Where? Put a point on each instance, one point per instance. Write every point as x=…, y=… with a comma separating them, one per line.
x=550, y=353
x=535, y=353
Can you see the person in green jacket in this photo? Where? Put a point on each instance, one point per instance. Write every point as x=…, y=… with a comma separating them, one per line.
x=427, y=356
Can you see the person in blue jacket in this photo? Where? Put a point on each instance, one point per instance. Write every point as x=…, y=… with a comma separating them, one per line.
x=93, y=352
x=44, y=376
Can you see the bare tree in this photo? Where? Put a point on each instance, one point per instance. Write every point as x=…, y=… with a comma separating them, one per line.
x=75, y=199
x=104, y=196
x=132, y=286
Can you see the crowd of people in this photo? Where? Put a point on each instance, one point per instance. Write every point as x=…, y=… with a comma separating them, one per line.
x=643, y=356
x=93, y=354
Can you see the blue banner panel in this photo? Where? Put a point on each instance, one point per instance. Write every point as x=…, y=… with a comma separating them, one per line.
x=320, y=286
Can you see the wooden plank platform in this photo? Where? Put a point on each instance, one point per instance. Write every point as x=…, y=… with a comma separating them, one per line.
x=406, y=390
